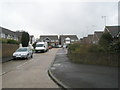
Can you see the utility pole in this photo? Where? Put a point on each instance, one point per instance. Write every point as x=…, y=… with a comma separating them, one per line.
x=104, y=17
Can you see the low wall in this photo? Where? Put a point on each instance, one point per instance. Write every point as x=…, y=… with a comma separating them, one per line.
x=7, y=51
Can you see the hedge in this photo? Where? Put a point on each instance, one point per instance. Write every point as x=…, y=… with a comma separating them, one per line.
x=8, y=41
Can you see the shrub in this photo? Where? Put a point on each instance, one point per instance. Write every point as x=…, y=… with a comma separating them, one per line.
x=3, y=40
x=8, y=41
x=11, y=41
x=96, y=48
x=105, y=40
x=115, y=48
x=93, y=54
x=25, y=39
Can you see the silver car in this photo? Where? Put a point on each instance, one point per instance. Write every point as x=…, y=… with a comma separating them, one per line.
x=23, y=52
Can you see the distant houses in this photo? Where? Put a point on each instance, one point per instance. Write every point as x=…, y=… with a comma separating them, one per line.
x=114, y=31
x=14, y=35
x=94, y=39
x=63, y=39
x=51, y=39
x=67, y=39
x=96, y=36
x=8, y=34
x=54, y=40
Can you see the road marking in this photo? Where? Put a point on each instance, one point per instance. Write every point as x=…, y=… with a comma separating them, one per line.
x=56, y=65
x=17, y=67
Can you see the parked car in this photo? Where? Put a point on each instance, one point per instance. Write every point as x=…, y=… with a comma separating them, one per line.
x=23, y=52
x=58, y=46
x=50, y=47
x=41, y=47
x=65, y=46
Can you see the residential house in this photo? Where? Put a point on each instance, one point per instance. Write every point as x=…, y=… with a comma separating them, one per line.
x=67, y=39
x=89, y=39
x=114, y=31
x=51, y=39
x=7, y=34
x=84, y=40
x=81, y=40
x=96, y=37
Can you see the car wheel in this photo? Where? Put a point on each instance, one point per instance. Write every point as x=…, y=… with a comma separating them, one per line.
x=27, y=57
x=36, y=51
x=31, y=56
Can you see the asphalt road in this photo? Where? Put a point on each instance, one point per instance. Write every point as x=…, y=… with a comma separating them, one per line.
x=30, y=73
x=81, y=75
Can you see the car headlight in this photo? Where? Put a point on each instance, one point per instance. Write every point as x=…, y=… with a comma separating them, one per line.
x=14, y=54
x=24, y=54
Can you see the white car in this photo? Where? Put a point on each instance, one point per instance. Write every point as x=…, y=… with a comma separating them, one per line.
x=23, y=52
x=41, y=47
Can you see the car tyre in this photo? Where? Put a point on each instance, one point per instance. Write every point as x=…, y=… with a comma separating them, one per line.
x=31, y=56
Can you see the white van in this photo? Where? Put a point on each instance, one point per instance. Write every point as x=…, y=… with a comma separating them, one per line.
x=41, y=47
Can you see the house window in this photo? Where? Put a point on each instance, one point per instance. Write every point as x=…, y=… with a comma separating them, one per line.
x=2, y=35
x=6, y=36
x=52, y=40
x=56, y=40
x=72, y=40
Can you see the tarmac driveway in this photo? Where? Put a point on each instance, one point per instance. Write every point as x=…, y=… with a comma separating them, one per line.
x=81, y=75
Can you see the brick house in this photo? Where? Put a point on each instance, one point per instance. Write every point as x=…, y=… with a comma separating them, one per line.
x=96, y=37
x=114, y=31
x=51, y=39
x=8, y=34
x=67, y=39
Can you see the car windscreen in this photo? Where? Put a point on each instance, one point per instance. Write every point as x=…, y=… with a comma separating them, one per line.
x=39, y=45
x=22, y=50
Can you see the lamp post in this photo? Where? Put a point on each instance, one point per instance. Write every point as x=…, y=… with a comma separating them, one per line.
x=104, y=17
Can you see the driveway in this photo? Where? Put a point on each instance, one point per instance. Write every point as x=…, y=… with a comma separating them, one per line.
x=81, y=75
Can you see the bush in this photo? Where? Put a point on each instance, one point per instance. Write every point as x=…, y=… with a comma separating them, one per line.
x=96, y=48
x=115, y=48
x=93, y=54
x=25, y=39
x=3, y=40
x=106, y=40
x=8, y=41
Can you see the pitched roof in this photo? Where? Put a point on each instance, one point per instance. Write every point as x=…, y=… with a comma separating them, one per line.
x=7, y=31
x=90, y=38
x=52, y=37
x=114, y=30
x=19, y=33
x=98, y=34
x=74, y=37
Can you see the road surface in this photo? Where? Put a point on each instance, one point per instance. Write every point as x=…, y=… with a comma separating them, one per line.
x=30, y=73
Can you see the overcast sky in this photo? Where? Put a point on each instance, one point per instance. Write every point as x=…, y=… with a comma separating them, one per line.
x=38, y=17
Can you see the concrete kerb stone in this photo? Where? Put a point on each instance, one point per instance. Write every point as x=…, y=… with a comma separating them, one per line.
x=58, y=82
x=6, y=59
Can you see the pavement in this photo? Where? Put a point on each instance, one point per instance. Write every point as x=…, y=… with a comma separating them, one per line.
x=74, y=75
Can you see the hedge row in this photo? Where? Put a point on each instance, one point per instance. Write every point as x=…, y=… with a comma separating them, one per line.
x=94, y=54
x=8, y=41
